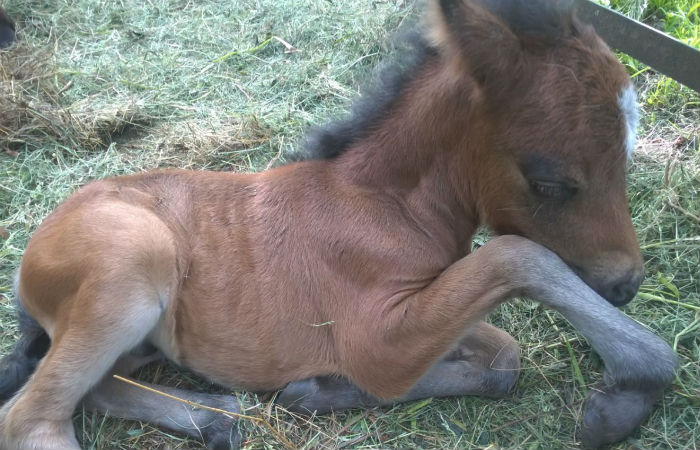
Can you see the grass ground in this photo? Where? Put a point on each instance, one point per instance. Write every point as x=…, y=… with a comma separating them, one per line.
x=99, y=88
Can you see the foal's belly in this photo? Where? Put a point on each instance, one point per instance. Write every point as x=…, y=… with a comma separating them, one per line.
x=244, y=348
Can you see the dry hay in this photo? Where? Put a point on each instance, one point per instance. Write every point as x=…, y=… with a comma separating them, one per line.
x=33, y=109
x=207, y=137
x=36, y=113
x=197, y=143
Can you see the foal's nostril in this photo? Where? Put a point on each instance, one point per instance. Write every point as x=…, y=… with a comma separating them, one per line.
x=623, y=290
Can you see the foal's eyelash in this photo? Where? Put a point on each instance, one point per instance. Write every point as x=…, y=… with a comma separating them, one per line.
x=551, y=189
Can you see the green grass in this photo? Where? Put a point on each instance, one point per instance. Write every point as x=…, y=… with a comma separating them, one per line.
x=679, y=18
x=129, y=86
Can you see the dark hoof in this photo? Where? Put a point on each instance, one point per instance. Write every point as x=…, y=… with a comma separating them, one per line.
x=223, y=433
x=611, y=414
x=7, y=30
x=228, y=437
x=498, y=383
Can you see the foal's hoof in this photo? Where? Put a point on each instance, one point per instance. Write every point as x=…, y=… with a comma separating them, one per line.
x=229, y=438
x=223, y=433
x=611, y=414
x=499, y=383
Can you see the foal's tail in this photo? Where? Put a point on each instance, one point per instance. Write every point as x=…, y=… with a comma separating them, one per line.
x=18, y=366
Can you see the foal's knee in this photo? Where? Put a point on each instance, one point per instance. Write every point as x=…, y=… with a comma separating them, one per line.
x=20, y=430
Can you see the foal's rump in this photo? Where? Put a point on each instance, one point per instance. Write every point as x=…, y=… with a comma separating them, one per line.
x=97, y=251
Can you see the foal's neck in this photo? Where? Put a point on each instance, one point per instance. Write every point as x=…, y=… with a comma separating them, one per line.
x=420, y=150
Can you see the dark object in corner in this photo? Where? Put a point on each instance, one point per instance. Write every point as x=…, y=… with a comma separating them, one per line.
x=7, y=30
x=663, y=53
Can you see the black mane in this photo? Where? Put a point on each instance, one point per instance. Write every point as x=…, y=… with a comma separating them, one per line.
x=545, y=19
x=330, y=140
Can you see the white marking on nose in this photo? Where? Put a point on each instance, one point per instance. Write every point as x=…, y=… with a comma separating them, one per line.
x=630, y=112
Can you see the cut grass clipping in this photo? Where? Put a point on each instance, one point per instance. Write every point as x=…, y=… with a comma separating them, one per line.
x=98, y=88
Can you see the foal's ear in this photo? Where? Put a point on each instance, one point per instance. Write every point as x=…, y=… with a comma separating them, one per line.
x=476, y=40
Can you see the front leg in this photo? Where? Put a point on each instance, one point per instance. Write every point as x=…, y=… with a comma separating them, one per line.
x=408, y=335
x=639, y=365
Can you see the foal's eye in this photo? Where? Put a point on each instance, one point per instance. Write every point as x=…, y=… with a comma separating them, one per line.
x=552, y=189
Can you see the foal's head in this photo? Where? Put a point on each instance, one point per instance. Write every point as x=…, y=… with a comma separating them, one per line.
x=556, y=119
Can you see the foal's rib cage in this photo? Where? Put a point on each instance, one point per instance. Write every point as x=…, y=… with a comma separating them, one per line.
x=516, y=117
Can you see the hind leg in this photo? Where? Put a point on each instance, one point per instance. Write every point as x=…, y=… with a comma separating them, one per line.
x=119, y=399
x=82, y=351
x=484, y=362
x=492, y=357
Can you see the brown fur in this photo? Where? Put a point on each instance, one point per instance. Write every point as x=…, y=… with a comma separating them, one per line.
x=358, y=265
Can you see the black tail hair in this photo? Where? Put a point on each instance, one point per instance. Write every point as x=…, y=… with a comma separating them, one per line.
x=18, y=366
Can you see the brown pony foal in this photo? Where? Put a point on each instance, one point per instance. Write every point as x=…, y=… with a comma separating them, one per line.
x=346, y=279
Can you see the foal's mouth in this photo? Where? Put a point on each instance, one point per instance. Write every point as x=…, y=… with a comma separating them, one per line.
x=617, y=290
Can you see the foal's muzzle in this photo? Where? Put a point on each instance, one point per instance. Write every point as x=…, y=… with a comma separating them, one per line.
x=622, y=290
x=617, y=288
